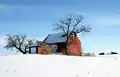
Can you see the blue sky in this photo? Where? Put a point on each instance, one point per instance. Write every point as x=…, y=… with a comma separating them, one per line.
x=36, y=17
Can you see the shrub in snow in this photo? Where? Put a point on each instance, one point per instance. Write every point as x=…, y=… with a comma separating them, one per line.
x=101, y=53
x=89, y=54
x=114, y=53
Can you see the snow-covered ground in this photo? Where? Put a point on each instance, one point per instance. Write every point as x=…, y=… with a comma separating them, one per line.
x=59, y=66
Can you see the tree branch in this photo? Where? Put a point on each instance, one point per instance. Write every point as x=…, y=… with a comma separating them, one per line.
x=19, y=42
x=70, y=25
x=78, y=20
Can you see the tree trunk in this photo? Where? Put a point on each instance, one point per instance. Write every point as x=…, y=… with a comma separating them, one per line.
x=20, y=50
x=29, y=51
x=66, y=48
x=24, y=52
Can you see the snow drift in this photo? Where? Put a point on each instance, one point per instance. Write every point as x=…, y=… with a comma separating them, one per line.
x=59, y=66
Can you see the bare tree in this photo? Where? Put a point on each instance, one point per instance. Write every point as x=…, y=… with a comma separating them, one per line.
x=19, y=42
x=72, y=23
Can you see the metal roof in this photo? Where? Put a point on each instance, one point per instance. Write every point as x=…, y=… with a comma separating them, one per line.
x=35, y=43
x=55, y=38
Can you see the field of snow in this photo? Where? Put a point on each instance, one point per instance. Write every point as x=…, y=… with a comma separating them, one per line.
x=59, y=66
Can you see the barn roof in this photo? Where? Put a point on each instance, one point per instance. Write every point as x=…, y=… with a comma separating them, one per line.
x=35, y=43
x=55, y=38
x=38, y=43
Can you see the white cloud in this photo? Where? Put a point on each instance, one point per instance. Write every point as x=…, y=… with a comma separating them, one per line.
x=37, y=38
x=100, y=44
x=2, y=41
x=106, y=20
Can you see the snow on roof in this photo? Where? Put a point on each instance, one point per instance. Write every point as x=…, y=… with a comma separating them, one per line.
x=55, y=38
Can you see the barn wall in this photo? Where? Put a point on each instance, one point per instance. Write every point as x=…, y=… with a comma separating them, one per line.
x=44, y=50
x=75, y=47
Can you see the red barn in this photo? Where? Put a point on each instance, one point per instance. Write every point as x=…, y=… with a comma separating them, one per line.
x=40, y=48
x=58, y=42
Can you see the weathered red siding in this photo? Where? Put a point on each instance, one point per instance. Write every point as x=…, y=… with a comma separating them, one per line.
x=44, y=50
x=75, y=47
